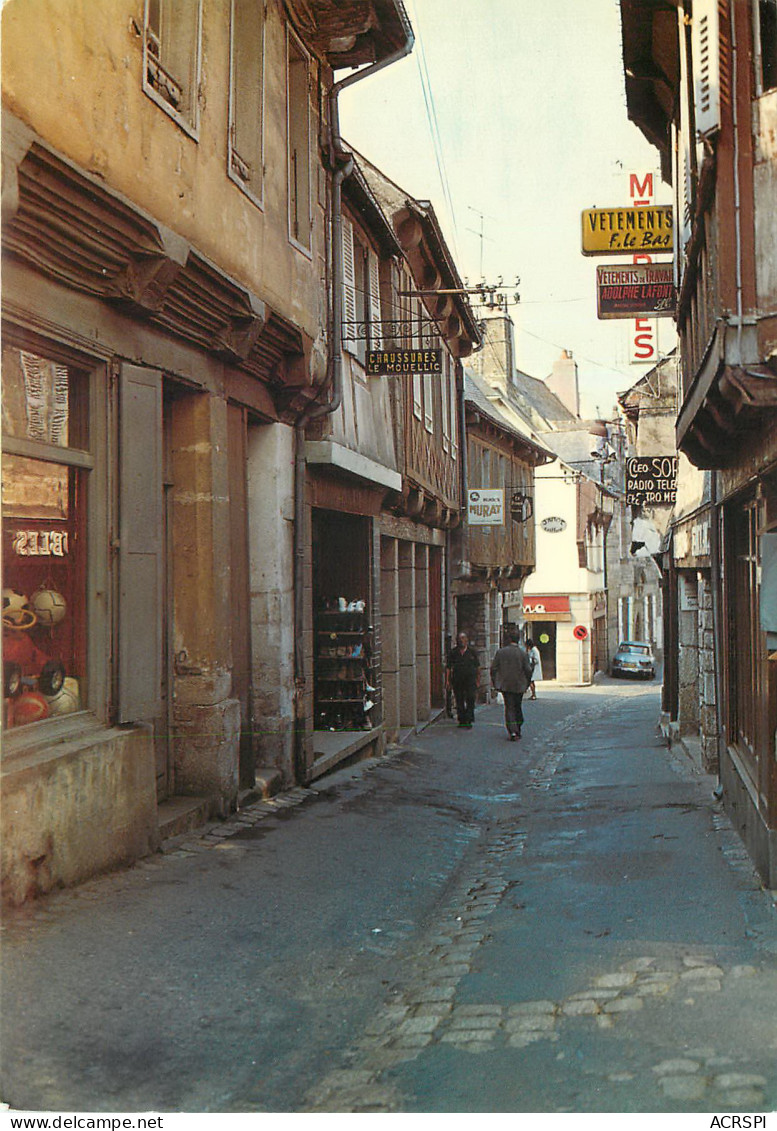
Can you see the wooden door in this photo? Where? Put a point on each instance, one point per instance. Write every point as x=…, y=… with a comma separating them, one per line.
x=543, y=633
x=435, y=627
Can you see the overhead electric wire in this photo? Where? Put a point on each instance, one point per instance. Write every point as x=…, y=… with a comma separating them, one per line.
x=434, y=127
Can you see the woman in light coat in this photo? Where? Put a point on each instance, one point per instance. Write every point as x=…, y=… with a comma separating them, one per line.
x=536, y=666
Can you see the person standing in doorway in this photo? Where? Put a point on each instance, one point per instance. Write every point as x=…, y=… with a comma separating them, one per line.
x=511, y=674
x=536, y=666
x=462, y=674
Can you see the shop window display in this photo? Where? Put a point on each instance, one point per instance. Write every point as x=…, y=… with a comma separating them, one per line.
x=43, y=509
x=344, y=692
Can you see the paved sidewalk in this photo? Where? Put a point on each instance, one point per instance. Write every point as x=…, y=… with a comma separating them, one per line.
x=563, y=924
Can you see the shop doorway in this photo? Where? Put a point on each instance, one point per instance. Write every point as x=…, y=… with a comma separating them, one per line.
x=163, y=725
x=543, y=633
x=437, y=674
x=345, y=663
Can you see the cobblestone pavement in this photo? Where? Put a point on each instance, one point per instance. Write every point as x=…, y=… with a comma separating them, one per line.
x=467, y=925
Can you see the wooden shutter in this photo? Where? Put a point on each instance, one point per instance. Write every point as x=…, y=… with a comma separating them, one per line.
x=349, y=286
x=247, y=93
x=706, y=65
x=445, y=399
x=140, y=544
x=684, y=158
x=376, y=337
x=417, y=343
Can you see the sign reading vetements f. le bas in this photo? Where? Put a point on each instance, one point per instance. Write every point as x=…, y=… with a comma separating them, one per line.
x=623, y=231
x=639, y=290
x=381, y=363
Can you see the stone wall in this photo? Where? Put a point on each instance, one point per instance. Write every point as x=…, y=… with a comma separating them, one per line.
x=77, y=808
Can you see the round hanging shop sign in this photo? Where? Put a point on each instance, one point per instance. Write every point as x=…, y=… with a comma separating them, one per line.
x=580, y=632
x=553, y=524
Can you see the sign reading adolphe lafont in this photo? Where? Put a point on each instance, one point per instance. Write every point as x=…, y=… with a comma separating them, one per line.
x=622, y=231
x=486, y=506
x=651, y=480
x=386, y=362
x=643, y=290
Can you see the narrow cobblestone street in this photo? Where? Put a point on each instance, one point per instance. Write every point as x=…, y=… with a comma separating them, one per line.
x=468, y=925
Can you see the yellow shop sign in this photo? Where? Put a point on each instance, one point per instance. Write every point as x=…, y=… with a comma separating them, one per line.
x=622, y=231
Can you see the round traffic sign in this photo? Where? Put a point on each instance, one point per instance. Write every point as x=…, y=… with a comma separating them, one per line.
x=579, y=632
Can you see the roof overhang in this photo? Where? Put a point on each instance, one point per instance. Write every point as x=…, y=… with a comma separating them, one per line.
x=362, y=199
x=351, y=33
x=651, y=69
x=434, y=271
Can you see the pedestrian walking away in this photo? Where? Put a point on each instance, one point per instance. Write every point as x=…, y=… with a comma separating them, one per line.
x=462, y=675
x=511, y=674
x=536, y=666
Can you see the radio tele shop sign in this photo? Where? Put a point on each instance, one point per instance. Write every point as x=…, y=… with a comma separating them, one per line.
x=624, y=231
x=641, y=290
x=651, y=480
x=380, y=363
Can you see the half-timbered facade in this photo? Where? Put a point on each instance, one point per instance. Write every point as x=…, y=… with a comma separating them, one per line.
x=428, y=310
x=493, y=553
x=701, y=83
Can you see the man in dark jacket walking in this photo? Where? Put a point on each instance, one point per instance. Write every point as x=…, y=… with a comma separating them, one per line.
x=462, y=673
x=511, y=674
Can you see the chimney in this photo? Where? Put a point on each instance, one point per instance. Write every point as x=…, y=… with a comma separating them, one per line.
x=563, y=381
x=495, y=362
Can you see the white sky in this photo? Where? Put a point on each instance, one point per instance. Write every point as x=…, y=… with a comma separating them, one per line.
x=532, y=117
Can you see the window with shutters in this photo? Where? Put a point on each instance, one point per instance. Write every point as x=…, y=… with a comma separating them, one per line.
x=46, y=463
x=361, y=295
x=445, y=399
x=450, y=381
x=246, y=101
x=298, y=133
x=485, y=482
x=429, y=413
x=417, y=343
x=171, y=58
x=373, y=275
x=349, y=287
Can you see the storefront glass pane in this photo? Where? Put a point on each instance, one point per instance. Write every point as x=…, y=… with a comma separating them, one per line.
x=43, y=400
x=44, y=545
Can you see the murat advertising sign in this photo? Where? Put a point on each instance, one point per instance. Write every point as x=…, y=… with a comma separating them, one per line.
x=637, y=290
x=651, y=480
x=486, y=506
x=624, y=231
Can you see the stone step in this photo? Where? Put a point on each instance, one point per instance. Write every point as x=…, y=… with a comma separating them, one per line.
x=269, y=781
x=179, y=815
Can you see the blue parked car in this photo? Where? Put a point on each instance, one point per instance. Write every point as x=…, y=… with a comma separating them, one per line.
x=634, y=658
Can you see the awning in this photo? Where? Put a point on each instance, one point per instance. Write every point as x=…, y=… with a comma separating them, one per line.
x=553, y=607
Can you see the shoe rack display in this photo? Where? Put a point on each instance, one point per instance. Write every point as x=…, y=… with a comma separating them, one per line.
x=343, y=688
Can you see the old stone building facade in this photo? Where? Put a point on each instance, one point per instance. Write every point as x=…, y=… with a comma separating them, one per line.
x=167, y=320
